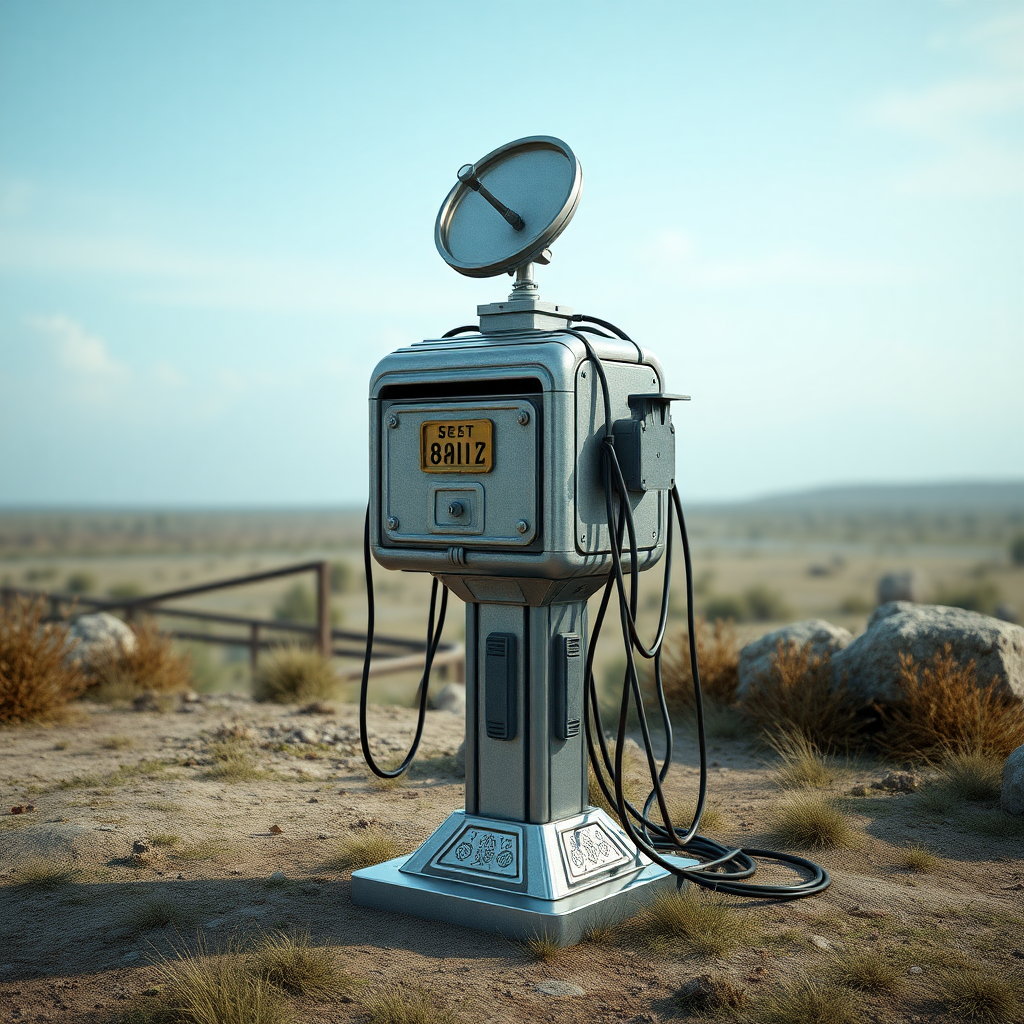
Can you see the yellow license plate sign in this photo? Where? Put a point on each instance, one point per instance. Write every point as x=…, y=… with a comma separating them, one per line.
x=457, y=446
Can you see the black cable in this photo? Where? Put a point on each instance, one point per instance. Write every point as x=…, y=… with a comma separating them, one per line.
x=583, y=318
x=466, y=329
x=722, y=868
x=433, y=639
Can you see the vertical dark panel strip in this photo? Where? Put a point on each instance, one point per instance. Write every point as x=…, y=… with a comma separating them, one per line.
x=527, y=748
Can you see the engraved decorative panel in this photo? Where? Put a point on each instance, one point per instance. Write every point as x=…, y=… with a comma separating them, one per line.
x=589, y=849
x=485, y=851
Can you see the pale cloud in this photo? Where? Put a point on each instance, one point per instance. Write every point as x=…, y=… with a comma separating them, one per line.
x=968, y=122
x=164, y=274
x=79, y=352
x=674, y=255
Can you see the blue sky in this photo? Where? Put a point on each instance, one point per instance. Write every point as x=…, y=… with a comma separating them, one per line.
x=216, y=217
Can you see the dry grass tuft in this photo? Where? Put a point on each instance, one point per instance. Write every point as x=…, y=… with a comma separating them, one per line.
x=152, y=666
x=294, y=675
x=710, y=993
x=293, y=965
x=544, y=948
x=941, y=709
x=202, y=988
x=718, y=655
x=702, y=921
x=35, y=681
x=811, y=820
x=155, y=914
x=870, y=971
x=973, y=775
x=919, y=859
x=396, y=1004
x=806, y=1001
x=233, y=762
x=801, y=765
x=981, y=997
x=117, y=743
x=371, y=846
x=41, y=875
x=798, y=697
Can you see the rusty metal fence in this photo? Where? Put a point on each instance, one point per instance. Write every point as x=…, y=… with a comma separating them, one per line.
x=399, y=654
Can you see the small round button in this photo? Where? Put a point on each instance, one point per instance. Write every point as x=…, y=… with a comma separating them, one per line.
x=455, y=509
x=522, y=526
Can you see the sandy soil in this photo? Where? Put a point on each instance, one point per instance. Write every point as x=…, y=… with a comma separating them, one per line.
x=82, y=950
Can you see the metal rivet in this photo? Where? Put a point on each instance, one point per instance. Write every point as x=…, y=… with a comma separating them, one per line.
x=522, y=526
x=523, y=418
x=455, y=509
x=392, y=421
x=584, y=374
x=392, y=523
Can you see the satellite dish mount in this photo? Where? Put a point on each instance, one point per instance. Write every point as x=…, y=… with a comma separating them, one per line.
x=501, y=218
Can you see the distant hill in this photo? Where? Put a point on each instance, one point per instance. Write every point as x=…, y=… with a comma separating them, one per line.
x=967, y=496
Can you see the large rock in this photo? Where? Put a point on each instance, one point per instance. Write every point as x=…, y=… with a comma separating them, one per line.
x=451, y=697
x=871, y=662
x=1013, y=782
x=756, y=658
x=901, y=586
x=99, y=634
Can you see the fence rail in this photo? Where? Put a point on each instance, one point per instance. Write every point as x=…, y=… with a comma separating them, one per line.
x=65, y=605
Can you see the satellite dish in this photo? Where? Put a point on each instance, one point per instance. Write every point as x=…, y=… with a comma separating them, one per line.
x=507, y=208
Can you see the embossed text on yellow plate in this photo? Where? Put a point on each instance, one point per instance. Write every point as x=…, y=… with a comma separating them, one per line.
x=457, y=446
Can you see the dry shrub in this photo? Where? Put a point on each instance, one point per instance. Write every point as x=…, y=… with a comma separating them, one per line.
x=294, y=675
x=941, y=709
x=718, y=656
x=152, y=665
x=36, y=681
x=798, y=697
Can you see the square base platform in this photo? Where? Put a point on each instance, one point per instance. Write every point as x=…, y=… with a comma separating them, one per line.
x=416, y=885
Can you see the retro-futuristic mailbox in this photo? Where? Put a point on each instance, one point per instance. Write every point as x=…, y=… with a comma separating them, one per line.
x=486, y=470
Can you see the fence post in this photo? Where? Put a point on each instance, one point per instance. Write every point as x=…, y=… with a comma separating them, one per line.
x=254, y=648
x=323, y=609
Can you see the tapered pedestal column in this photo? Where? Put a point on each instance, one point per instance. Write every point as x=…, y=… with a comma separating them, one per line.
x=528, y=856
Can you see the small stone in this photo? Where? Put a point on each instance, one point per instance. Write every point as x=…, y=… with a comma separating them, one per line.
x=18, y=809
x=278, y=876
x=820, y=942
x=553, y=987
x=915, y=970
x=859, y=911
x=215, y=923
x=276, y=830
x=142, y=846
x=858, y=791
x=313, y=800
x=128, y=957
x=899, y=782
x=190, y=697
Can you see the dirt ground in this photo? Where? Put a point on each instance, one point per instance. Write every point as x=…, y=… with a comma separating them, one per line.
x=230, y=858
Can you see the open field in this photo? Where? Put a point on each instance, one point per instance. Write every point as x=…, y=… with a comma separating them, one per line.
x=925, y=886
x=204, y=828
